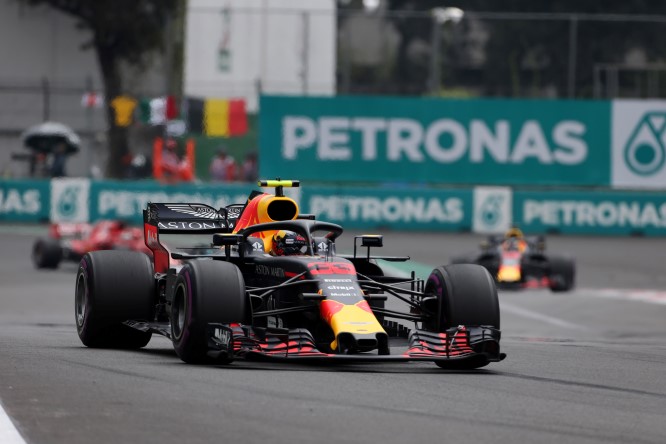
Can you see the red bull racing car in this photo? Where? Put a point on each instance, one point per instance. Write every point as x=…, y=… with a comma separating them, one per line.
x=516, y=261
x=270, y=286
x=70, y=241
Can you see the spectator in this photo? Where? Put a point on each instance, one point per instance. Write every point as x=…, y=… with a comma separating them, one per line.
x=249, y=170
x=223, y=167
x=59, y=160
x=170, y=161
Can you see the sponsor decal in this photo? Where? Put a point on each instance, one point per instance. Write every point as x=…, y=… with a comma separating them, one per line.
x=258, y=246
x=195, y=210
x=322, y=246
x=337, y=280
x=442, y=141
x=587, y=213
x=70, y=200
x=639, y=143
x=269, y=271
x=182, y=225
x=15, y=201
x=389, y=209
x=492, y=209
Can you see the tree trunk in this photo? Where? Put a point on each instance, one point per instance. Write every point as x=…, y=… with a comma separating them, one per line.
x=117, y=139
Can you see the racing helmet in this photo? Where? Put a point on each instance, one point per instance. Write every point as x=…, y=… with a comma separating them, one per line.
x=287, y=243
x=513, y=232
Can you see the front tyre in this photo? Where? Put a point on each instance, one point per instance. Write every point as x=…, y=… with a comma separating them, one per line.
x=206, y=291
x=113, y=287
x=562, y=274
x=466, y=295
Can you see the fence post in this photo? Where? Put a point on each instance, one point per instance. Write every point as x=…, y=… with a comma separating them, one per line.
x=573, y=44
x=46, y=99
x=434, y=57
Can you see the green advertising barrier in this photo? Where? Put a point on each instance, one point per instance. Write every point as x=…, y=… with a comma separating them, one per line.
x=24, y=200
x=396, y=209
x=419, y=140
x=126, y=200
x=599, y=213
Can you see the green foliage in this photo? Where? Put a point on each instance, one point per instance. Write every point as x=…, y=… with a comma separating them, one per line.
x=128, y=29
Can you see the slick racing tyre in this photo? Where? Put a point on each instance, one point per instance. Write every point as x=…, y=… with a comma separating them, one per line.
x=562, y=274
x=113, y=287
x=466, y=295
x=46, y=253
x=206, y=291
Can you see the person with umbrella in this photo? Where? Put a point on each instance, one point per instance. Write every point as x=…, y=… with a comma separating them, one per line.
x=54, y=139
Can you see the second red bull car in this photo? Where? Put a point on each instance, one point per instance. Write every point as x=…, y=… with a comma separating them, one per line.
x=271, y=286
x=516, y=262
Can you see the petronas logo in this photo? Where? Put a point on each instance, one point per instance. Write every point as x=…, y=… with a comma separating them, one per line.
x=644, y=153
x=67, y=204
x=491, y=210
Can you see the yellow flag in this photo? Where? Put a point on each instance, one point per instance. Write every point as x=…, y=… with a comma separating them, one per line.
x=216, y=117
x=124, y=108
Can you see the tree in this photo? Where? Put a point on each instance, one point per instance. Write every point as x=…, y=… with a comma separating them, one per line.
x=123, y=31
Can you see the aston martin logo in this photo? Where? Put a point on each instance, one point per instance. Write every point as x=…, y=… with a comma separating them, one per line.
x=200, y=211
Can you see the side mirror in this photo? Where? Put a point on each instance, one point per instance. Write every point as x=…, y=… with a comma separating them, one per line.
x=372, y=240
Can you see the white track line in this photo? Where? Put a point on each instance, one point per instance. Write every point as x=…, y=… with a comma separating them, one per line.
x=519, y=311
x=650, y=296
x=8, y=432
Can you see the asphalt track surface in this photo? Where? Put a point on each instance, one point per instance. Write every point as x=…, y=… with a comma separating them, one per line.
x=582, y=367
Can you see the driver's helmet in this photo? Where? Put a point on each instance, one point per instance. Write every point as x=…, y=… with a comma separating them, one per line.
x=514, y=233
x=287, y=243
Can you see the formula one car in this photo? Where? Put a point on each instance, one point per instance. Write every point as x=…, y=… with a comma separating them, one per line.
x=517, y=262
x=70, y=241
x=270, y=286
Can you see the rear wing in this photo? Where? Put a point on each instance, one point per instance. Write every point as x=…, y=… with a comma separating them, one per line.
x=176, y=218
x=179, y=218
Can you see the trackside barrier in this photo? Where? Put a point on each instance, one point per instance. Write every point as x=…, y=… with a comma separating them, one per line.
x=394, y=207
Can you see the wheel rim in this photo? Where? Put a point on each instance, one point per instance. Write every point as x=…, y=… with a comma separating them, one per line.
x=81, y=300
x=178, y=310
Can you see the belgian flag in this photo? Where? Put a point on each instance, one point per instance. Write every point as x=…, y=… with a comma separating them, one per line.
x=217, y=117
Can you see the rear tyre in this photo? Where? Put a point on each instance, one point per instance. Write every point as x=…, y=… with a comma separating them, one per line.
x=113, y=287
x=562, y=274
x=46, y=253
x=466, y=295
x=206, y=291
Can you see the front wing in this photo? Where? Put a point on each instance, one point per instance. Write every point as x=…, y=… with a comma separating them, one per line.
x=458, y=347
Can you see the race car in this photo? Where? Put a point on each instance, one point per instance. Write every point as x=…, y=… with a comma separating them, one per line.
x=516, y=261
x=70, y=241
x=269, y=285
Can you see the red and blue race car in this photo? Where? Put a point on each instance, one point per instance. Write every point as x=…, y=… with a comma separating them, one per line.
x=269, y=285
x=516, y=262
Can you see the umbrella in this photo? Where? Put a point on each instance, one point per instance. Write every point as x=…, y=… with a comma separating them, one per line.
x=45, y=136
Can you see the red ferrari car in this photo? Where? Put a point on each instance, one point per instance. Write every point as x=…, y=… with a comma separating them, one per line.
x=70, y=241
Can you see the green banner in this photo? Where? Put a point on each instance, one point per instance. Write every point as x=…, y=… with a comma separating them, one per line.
x=603, y=213
x=382, y=139
x=24, y=200
x=126, y=200
x=391, y=208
